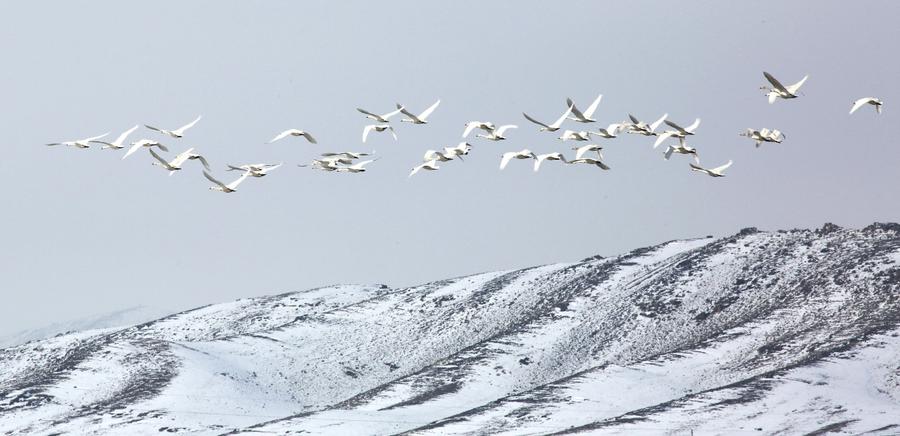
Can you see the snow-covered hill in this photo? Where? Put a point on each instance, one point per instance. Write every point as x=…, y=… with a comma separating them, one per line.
x=119, y=318
x=763, y=332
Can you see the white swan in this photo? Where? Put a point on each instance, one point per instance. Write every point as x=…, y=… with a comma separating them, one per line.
x=135, y=146
x=462, y=149
x=483, y=125
x=550, y=127
x=521, y=154
x=119, y=143
x=294, y=132
x=713, y=172
x=437, y=156
x=358, y=167
x=642, y=128
x=548, y=156
x=346, y=154
x=610, y=131
x=255, y=170
x=428, y=166
x=764, y=135
x=584, y=149
x=572, y=135
x=679, y=132
x=584, y=117
x=867, y=100
x=682, y=149
x=327, y=164
x=377, y=128
x=221, y=187
x=79, y=143
x=380, y=118
x=780, y=91
x=497, y=134
x=589, y=161
x=422, y=118
x=177, y=133
x=176, y=163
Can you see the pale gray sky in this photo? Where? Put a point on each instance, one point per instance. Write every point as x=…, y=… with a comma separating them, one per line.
x=84, y=232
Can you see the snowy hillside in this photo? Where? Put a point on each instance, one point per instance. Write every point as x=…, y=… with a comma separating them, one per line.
x=763, y=332
x=120, y=318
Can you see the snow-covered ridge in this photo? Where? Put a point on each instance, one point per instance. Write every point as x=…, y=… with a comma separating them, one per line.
x=762, y=332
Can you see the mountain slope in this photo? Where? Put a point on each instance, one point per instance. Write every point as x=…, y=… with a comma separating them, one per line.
x=120, y=318
x=778, y=331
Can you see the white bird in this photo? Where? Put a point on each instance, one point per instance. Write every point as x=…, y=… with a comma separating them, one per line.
x=422, y=118
x=437, y=156
x=294, y=132
x=462, y=149
x=177, y=133
x=610, y=132
x=346, y=154
x=377, y=128
x=380, y=118
x=642, y=128
x=572, y=135
x=428, y=166
x=551, y=127
x=780, y=91
x=255, y=170
x=764, y=135
x=175, y=164
x=324, y=164
x=867, y=100
x=590, y=161
x=584, y=117
x=681, y=149
x=584, y=149
x=679, y=132
x=483, y=125
x=135, y=146
x=497, y=134
x=119, y=143
x=80, y=143
x=714, y=172
x=358, y=167
x=221, y=187
x=548, y=156
x=521, y=154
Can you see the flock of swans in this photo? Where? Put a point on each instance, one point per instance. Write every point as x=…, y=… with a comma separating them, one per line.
x=349, y=162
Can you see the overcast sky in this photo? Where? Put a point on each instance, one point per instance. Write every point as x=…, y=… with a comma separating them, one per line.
x=85, y=232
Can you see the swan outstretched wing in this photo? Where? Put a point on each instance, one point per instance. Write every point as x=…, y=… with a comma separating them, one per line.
x=589, y=112
x=181, y=129
x=565, y=115
x=675, y=126
x=427, y=112
x=662, y=138
x=658, y=122
x=693, y=126
x=212, y=179
x=282, y=135
x=575, y=111
x=775, y=82
x=366, y=131
x=796, y=87
x=504, y=128
x=160, y=159
x=534, y=120
x=719, y=169
x=367, y=112
x=504, y=161
x=860, y=103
